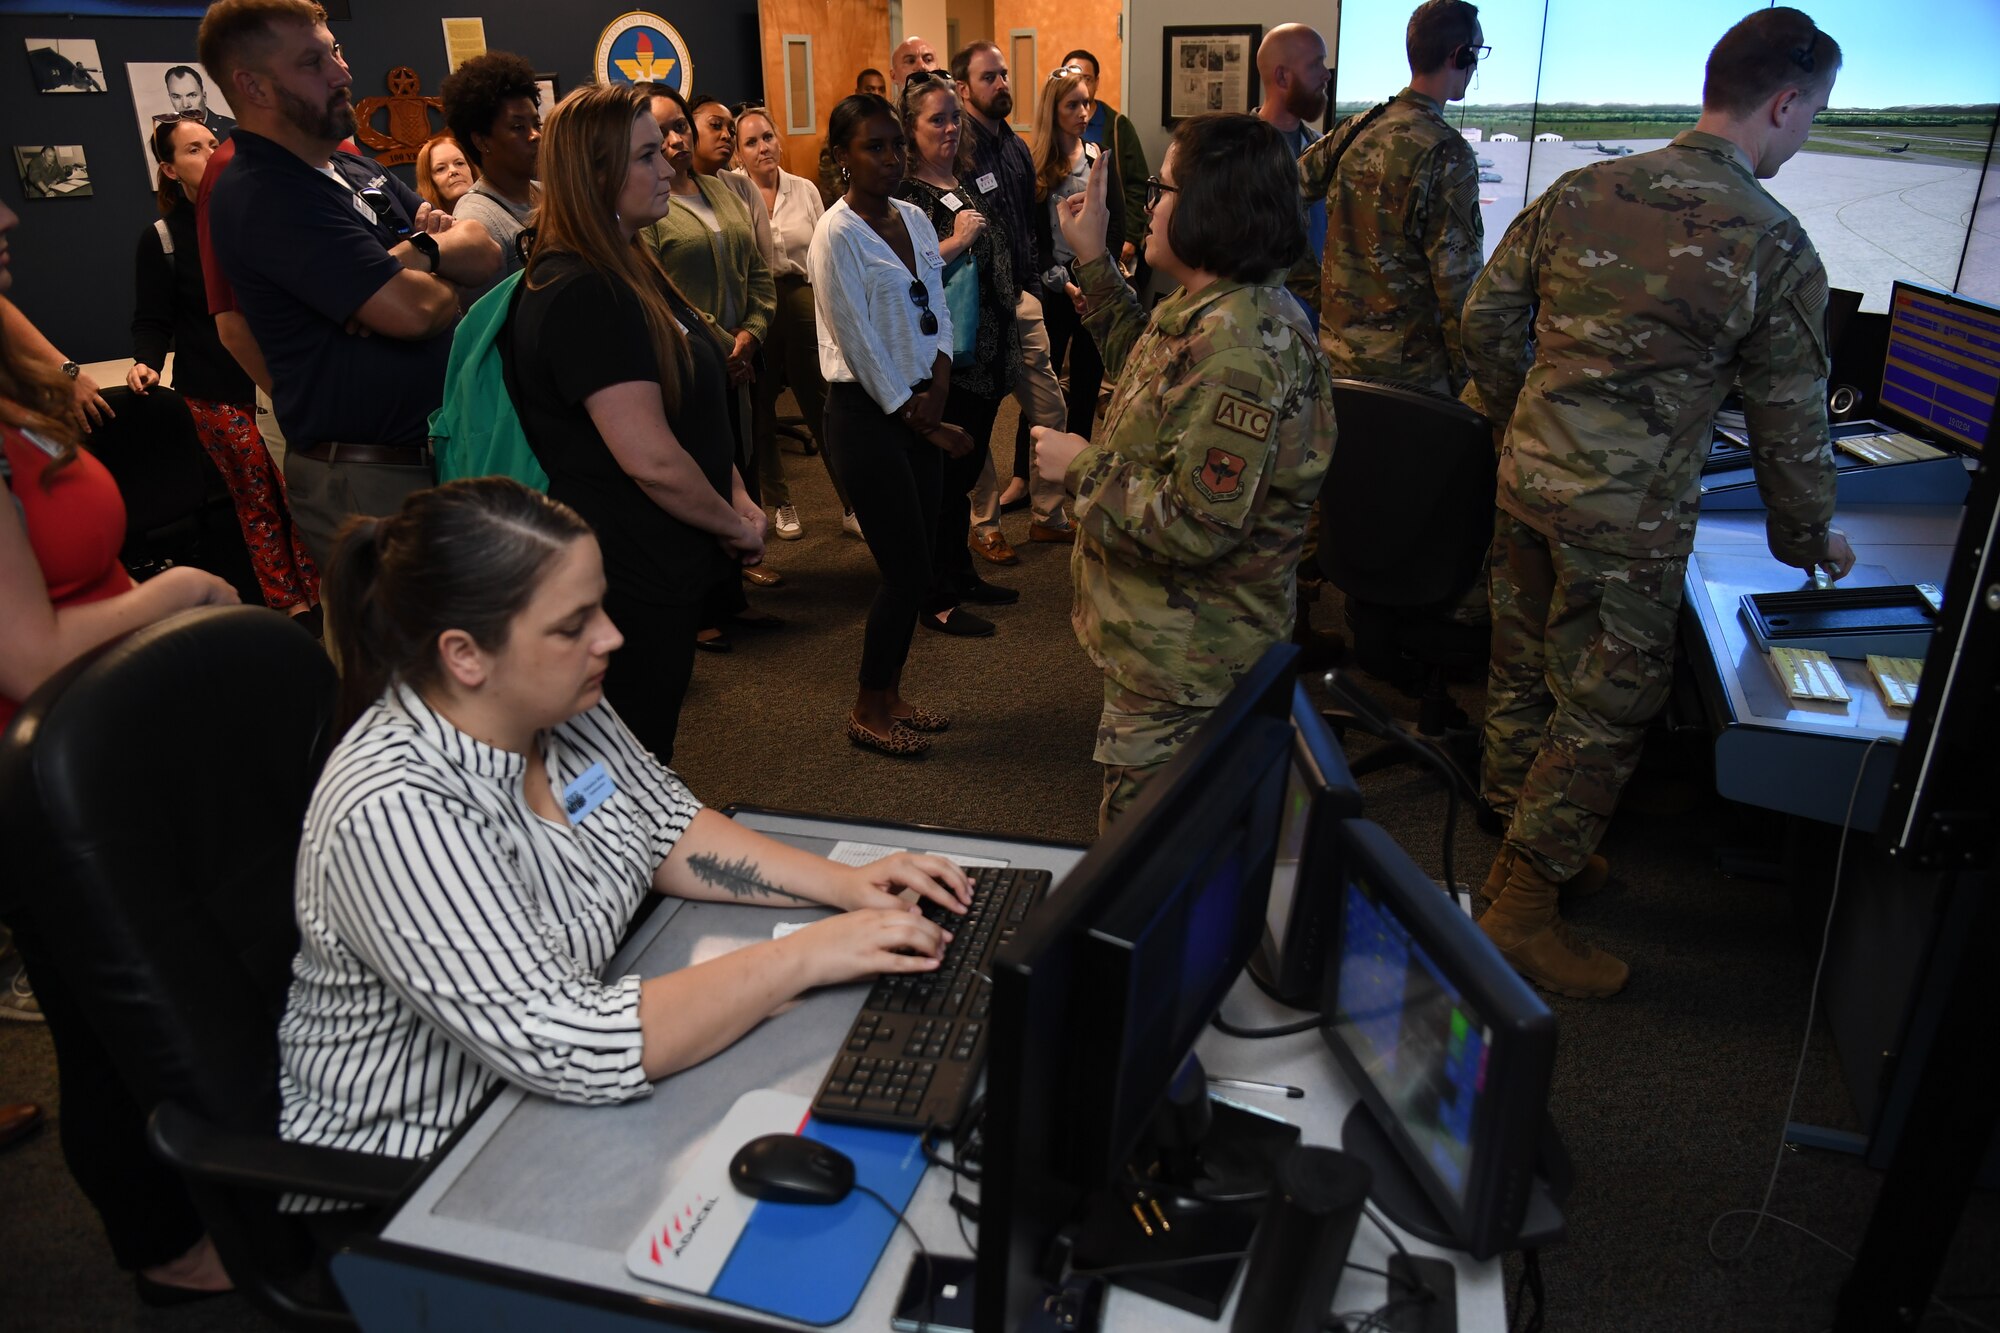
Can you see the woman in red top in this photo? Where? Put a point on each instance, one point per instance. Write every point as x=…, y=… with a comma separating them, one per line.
x=62, y=593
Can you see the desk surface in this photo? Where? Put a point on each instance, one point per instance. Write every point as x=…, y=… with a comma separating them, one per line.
x=560, y=1190
x=1773, y=751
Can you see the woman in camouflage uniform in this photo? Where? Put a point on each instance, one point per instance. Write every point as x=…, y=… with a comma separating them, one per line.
x=1191, y=503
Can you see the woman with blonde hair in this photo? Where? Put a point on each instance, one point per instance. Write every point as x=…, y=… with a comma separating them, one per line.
x=444, y=176
x=1062, y=168
x=791, y=353
x=623, y=392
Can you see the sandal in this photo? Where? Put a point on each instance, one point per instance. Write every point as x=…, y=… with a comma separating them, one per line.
x=900, y=743
x=920, y=718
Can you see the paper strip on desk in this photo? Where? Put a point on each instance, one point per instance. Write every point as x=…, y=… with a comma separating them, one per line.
x=861, y=853
x=1896, y=678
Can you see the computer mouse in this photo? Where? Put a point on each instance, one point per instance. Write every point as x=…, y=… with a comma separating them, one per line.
x=785, y=1168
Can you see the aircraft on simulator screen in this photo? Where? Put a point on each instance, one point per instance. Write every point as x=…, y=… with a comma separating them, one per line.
x=1487, y=177
x=1904, y=149
x=1609, y=150
x=1485, y=161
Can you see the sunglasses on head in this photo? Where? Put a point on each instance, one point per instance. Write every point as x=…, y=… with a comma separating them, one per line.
x=1062, y=70
x=175, y=117
x=920, y=297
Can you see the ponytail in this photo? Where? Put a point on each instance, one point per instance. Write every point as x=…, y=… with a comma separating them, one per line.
x=467, y=555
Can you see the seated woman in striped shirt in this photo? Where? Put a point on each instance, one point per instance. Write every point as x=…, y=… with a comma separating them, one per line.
x=484, y=832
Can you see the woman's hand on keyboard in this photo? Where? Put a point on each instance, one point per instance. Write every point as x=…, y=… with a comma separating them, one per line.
x=879, y=883
x=868, y=943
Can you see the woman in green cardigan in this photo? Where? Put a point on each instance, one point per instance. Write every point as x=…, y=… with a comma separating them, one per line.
x=708, y=245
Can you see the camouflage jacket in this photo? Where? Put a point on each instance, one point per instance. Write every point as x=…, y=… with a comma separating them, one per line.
x=1192, y=499
x=1648, y=285
x=1403, y=243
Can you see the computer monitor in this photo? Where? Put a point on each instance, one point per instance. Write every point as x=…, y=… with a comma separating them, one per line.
x=1099, y=998
x=1941, y=376
x=1305, y=881
x=1450, y=1051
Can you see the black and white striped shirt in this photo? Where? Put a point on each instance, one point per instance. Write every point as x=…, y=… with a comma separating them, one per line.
x=448, y=935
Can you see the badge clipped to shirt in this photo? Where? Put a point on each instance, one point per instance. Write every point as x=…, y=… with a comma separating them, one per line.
x=587, y=793
x=986, y=183
x=951, y=200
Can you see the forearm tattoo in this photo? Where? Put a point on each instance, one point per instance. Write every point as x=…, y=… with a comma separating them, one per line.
x=738, y=878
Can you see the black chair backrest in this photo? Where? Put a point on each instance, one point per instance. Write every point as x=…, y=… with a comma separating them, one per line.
x=177, y=507
x=151, y=801
x=1406, y=513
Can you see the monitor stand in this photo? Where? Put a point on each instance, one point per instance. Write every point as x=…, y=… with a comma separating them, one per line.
x=1397, y=1192
x=1195, y=1147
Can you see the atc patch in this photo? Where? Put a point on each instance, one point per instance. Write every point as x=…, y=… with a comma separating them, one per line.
x=1243, y=416
x=1220, y=477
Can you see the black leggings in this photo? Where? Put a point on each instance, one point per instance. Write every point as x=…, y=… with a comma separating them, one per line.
x=145, y=1208
x=893, y=476
x=648, y=677
x=1086, y=372
x=952, y=558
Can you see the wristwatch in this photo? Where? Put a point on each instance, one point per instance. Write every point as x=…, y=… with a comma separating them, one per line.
x=71, y=369
x=426, y=245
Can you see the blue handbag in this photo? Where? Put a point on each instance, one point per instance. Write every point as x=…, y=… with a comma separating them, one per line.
x=961, y=297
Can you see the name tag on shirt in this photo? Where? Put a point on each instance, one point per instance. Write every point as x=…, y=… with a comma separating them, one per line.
x=986, y=183
x=951, y=201
x=587, y=793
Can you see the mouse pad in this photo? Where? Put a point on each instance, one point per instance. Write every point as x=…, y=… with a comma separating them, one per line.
x=808, y=1262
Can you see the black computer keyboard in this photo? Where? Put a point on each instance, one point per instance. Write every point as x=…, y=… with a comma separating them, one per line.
x=914, y=1052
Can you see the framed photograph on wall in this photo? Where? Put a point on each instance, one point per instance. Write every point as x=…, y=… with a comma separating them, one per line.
x=550, y=87
x=65, y=65
x=164, y=89
x=52, y=171
x=1208, y=67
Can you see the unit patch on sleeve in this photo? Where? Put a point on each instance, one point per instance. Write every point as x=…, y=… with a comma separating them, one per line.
x=1220, y=477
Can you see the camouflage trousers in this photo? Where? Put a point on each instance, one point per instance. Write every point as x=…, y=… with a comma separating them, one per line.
x=1136, y=736
x=1582, y=662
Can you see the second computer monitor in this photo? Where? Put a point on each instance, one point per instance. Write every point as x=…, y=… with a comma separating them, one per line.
x=1942, y=370
x=1450, y=1052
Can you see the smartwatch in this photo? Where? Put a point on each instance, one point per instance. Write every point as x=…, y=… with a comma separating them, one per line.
x=71, y=369
x=426, y=245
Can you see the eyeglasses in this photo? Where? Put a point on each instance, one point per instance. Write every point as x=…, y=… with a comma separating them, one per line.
x=1479, y=53
x=175, y=117
x=921, y=298
x=1062, y=70
x=1155, y=187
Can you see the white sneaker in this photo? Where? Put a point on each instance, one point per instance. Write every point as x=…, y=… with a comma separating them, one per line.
x=849, y=523
x=788, y=523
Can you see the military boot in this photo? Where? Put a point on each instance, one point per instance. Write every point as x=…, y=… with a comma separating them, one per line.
x=1595, y=874
x=1523, y=924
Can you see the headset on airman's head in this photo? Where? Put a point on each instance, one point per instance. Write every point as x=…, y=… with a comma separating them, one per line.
x=1802, y=56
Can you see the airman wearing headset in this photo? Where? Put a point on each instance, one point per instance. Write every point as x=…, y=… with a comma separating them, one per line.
x=1403, y=236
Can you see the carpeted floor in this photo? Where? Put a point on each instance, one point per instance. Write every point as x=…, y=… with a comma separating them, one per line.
x=1670, y=1096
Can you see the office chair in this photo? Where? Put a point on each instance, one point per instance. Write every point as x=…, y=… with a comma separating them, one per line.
x=152, y=794
x=1406, y=517
x=177, y=508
